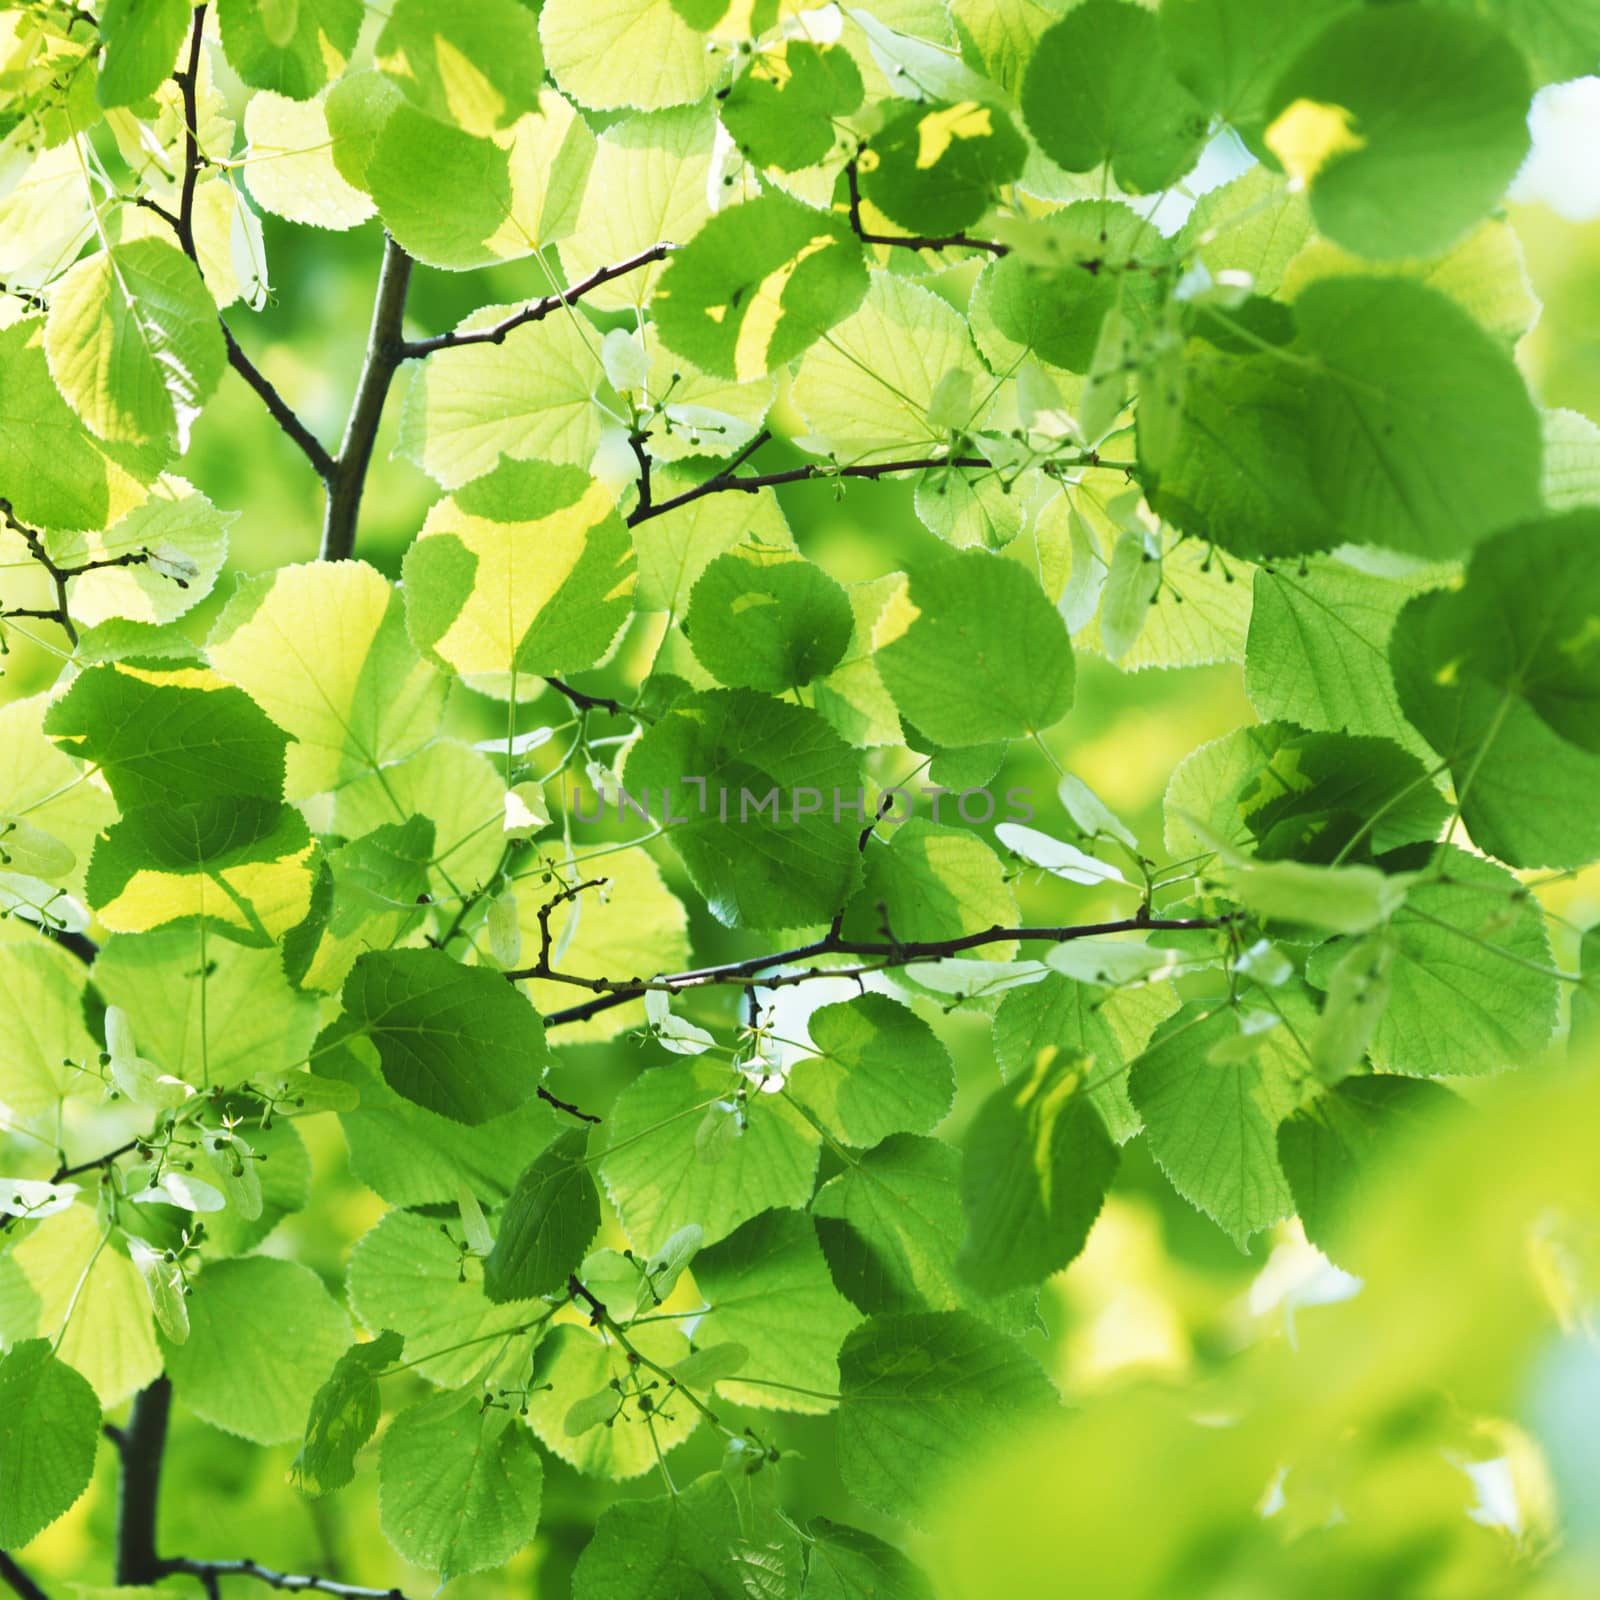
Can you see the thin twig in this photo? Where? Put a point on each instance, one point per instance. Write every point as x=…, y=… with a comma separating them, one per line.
x=884, y=955
x=294, y=1582
x=911, y=241
x=25, y=1587
x=534, y=311
x=750, y=483
x=182, y=223
x=585, y=701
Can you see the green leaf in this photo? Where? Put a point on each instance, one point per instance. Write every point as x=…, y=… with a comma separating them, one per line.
x=575, y=1363
x=767, y=619
x=693, y=1543
x=1099, y=90
x=1560, y=38
x=933, y=882
x=1484, y=274
x=1336, y=899
x=1307, y=796
x=41, y=990
x=457, y=1040
x=1470, y=985
x=442, y=193
x=1318, y=651
x=923, y=1393
x=900, y=1207
x=984, y=655
x=657, y=1169
x=49, y=1431
x=459, y=1484
x=769, y=1290
x=1036, y=1164
x=1256, y=224
x=460, y=789
x=585, y=39
x=527, y=570
x=242, y=866
x=1406, y=123
x=373, y=892
x=847, y=1564
x=936, y=168
x=531, y=396
x=141, y=38
x=285, y=1356
x=184, y=539
x=254, y=1026
x=675, y=548
x=475, y=64
x=1332, y=1150
x=867, y=388
x=1229, y=53
x=65, y=1281
x=1502, y=677
x=758, y=284
x=1038, y=1022
x=160, y=739
x=289, y=46
x=780, y=111
x=56, y=473
x=879, y=1069
x=344, y=1415
x=1081, y=263
x=549, y=1222
x=408, y=1274
x=294, y=166
x=133, y=342
x=1211, y=1112
x=1394, y=420
x=764, y=832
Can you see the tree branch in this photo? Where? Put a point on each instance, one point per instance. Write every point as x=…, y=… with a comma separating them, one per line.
x=385, y=352
x=188, y=80
x=309, y=445
x=143, y=1444
x=293, y=1582
x=884, y=955
x=25, y=1587
x=729, y=478
x=910, y=241
x=583, y=701
x=534, y=311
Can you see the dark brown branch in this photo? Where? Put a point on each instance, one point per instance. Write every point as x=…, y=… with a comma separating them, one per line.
x=883, y=956
x=385, y=352
x=144, y=1442
x=566, y=1105
x=309, y=445
x=911, y=241
x=21, y=1583
x=194, y=159
x=571, y=892
x=301, y=1583
x=534, y=311
x=636, y=443
x=584, y=701
x=65, y=1171
x=188, y=81
x=729, y=479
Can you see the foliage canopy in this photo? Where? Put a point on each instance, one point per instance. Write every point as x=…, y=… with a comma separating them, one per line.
x=755, y=1119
